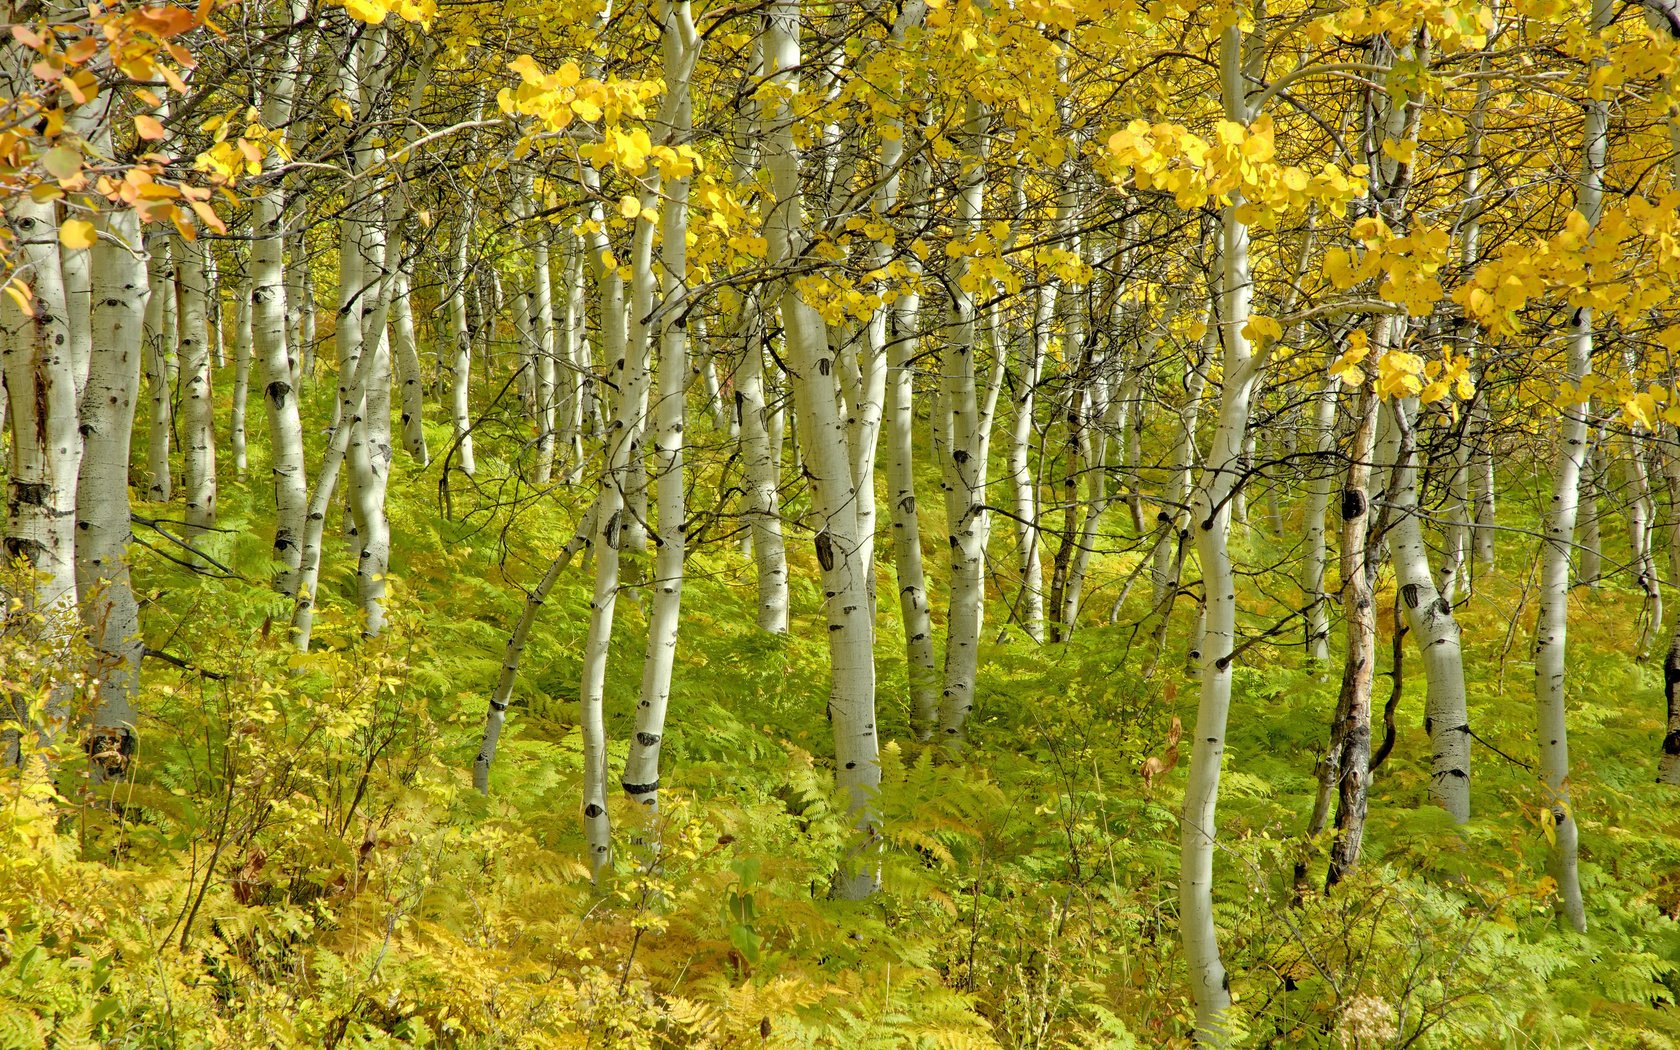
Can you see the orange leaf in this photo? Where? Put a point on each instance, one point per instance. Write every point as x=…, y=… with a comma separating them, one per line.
x=81, y=50
x=208, y=217
x=164, y=22
x=21, y=295
x=148, y=127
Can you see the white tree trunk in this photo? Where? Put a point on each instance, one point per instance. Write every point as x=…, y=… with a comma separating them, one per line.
x=239, y=411
x=46, y=448
x=760, y=447
x=405, y=355
x=198, y=413
x=575, y=380
x=1211, y=519
x=539, y=299
x=1642, y=511
x=320, y=502
x=823, y=436
x=503, y=694
x=159, y=349
x=763, y=501
x=623, y=439
x=639, y=361
x=1589, y=565
x=460, y=328
x=1318, y=502
x=965, y=466
x=1433, y=627
x=1550, y=633
x=268, y=332
x=365, y=294
x=1167, y=559
x=922, y=671
x=1551, y=628
x=109, y=610
x=1018, y=466
x=681, y=47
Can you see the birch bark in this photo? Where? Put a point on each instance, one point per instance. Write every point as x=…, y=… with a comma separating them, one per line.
x=1318, y=502
x=159, y=348
x=109, y=609
x=823, y=437
x=1430, y=616
x=502, y=696
x=238, y=411
x=39, y=372
x=405, y=354
x=681, y=47
x=1211, y=518
x=761, y=453
x=268, y=327
x=1551, y=628
x=198, y=415
x=965, y=470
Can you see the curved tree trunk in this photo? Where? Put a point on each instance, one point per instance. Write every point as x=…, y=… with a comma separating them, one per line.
x=1211, y=518
x=828, y=459
x=405, y=356
x=502, y=696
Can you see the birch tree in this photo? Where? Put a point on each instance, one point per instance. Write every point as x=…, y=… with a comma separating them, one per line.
x=1550, y=631
x=680, y=47
x=268, y=322
x=827, y=456
x=45, y=450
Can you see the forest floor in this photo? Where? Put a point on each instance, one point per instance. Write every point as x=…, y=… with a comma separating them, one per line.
x=300, y=860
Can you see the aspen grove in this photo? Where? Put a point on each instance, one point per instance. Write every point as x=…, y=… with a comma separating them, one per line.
x=840, y=523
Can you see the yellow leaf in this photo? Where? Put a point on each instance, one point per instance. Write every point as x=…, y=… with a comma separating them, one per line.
x=528, y=71
x=1400, y=151
x=1261, y=327
x=629, y=207
x=369, y=11
x=1346, y=367
x=76, y=234
x=1639, y=408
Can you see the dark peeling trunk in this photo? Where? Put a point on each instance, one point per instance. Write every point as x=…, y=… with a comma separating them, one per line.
x=1344, y=771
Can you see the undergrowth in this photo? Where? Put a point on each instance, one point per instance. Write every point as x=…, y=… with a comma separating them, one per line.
x=298, y=858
